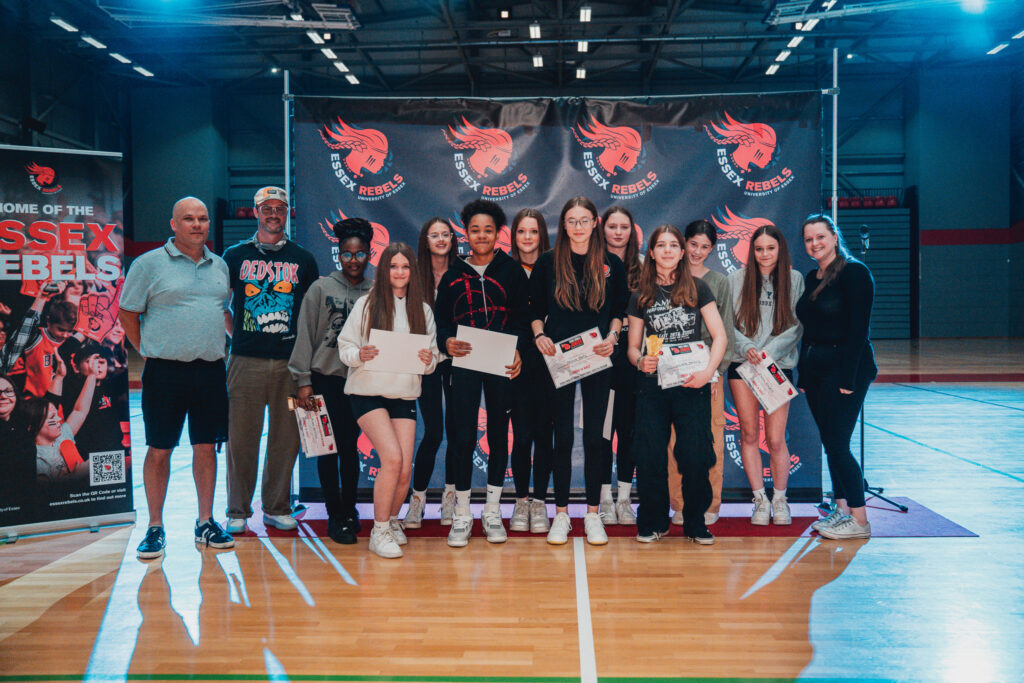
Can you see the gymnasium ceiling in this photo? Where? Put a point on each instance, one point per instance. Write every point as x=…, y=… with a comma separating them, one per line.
x=465, y=47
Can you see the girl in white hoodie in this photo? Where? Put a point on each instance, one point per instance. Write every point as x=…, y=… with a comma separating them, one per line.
x=384, y=403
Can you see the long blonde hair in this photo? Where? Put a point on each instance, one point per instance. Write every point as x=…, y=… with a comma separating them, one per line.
x=567, y=289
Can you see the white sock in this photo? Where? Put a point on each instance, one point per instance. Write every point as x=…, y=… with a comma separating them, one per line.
x=625, y=490
x=462, y=498
x=606, y=491
x=381, y=526
x=759, y=493
x=493, y=496
x=449, y=487
x=778, y=492
x=422, y=495
x=393, y=519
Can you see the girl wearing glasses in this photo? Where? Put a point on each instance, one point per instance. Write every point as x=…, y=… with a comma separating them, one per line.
x=16, y=449
x=575, y=287
x=317, y=369
x=435, y=253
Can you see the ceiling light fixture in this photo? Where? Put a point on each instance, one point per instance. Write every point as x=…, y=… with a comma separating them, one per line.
x=584, y=14
x=783, y=56
x=92, y=41
x=534, y=31
x=63, y=24
x=772, y=69
x=809, y=25
x=274, y=69
x=998, y=48
x=504, y=14
x=351, y=78
x=296, y=16
x=327, y=36
x=340, y=66
x=328, y=52
x=121, y=58
x=538, y=61
x=581, y=73
x=144, y=71
x=582, y=46
x=315, y=37
x=795, y=41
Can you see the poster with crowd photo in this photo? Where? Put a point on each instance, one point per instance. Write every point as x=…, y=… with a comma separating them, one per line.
x=738, y=161
x=64, y=438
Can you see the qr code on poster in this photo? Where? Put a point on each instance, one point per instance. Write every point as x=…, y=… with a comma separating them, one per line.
x=106, y=467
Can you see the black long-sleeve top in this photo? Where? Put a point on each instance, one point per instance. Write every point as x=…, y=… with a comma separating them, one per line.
x=563, y=322
x=841, y=317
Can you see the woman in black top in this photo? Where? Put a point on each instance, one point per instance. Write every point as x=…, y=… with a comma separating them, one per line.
x=17, y=454
x=837, y=364
x=575, y=287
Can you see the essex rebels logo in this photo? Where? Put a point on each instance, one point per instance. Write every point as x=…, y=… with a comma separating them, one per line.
x=368, y=155
x=381, y=238
x=734, y=233
x=43, y=178
x=483, y=155
x=745, y=149
x=621, y=153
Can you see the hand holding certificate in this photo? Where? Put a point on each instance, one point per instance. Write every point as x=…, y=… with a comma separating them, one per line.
x=771, y=387
x=315, y=432
x=575, y=359
x=490, y=352
x=679, y=361
x=396, y=352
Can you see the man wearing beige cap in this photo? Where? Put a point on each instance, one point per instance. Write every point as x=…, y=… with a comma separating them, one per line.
x=269, y=276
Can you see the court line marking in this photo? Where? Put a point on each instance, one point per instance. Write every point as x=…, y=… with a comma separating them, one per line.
x=588, y=660
x=964, y=398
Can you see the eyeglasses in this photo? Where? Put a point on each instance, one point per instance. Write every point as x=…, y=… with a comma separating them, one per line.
x=7, y=392
x=273, y=210
x=582, y=222
x=347, y=256
x=438, y=235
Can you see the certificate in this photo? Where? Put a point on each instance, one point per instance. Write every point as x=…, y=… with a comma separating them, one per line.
x=315, y=431
x=769, y=385
x=492, y=351
x=676, y=362
x=397, y=352
x=575, y=359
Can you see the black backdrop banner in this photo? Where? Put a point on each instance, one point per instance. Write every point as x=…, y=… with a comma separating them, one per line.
x=739, y=161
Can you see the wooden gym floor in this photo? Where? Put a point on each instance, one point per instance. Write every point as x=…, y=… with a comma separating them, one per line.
x=79, y=606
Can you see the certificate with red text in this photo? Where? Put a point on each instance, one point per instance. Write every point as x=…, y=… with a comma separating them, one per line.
x=575, y=359
x=771, y=387
x=316, y=433
x=676, y=362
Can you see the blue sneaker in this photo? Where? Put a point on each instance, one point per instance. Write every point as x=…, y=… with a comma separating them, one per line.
x=152, y=545
x=210, y=534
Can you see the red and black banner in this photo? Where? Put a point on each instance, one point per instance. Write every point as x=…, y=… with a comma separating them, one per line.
x=65, y=448
x=739, y=161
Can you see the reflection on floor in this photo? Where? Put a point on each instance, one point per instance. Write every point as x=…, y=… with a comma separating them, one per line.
x=81, y=606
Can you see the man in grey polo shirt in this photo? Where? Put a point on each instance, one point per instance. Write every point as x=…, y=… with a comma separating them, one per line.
x=174, y=311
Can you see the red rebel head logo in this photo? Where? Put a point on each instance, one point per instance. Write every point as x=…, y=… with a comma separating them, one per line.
x=491, y=156
x=753, y=146
x=43, y=178
x=504, y=241
x=734, y=233
x=368, y=155
x=621, y=153
x=381, y=236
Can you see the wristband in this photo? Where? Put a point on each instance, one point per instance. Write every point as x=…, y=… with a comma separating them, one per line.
x=539, y=335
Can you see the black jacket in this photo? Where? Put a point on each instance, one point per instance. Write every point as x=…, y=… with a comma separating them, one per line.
x=497, y=301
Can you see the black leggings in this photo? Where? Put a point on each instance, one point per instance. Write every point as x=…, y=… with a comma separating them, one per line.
x=339, y=500
x=532, y=426
x=594, y=391
x=437, y=423
x=623, y=416
x=465, y=408
x=836, y=415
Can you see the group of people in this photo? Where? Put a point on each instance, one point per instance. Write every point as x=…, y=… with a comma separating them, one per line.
x=294, y=333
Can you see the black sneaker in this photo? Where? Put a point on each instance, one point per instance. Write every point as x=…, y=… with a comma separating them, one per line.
x=702, y=536
x=210, y=534
x=152, y=545
x=342, y=531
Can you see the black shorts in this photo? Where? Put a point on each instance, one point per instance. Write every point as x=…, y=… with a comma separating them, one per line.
x=172, y=389
x=731, y=373
x=398, y=408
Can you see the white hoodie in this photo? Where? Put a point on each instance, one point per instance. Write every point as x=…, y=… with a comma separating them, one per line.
x=386, y=384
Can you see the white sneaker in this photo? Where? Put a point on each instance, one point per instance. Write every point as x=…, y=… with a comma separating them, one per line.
x=560, y=528
x=677, y=518
x=780, y=511
x=624, y=511
x=398, y=533
x=384, y=544
x=462, y=527
x=283, y=522
x=846, y=528
x=539, y=523
x=826, y=522
x=651, y=537
x=594, y=529
x=520, y=520
x=606, y=510
x=414, y=515
x=709, y=518
x=447, y=508
x=490, y=519
x=762, y=511
x=235, y=526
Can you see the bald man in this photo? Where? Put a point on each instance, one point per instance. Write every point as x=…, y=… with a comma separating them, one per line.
x=174, y=309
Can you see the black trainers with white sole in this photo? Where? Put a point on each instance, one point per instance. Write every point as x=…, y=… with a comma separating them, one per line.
x=210, y=534
x=152, y=545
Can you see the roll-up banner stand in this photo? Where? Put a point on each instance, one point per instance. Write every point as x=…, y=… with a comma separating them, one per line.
x=740, y=161
x=65, y=446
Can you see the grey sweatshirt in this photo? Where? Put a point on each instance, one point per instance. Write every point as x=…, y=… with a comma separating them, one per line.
x=719, y=286
x=325, y=308
x=785, y=347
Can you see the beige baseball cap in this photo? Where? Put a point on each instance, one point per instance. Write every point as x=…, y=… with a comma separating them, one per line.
x=270, y=192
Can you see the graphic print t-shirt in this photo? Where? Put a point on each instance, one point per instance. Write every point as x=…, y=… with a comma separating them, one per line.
x=674, y=324
x=266, y=295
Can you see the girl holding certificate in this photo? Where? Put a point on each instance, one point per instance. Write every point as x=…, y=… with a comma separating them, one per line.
x=532, y=390
x=837, y=364
x=384, y=403
x=765, y=295
x=670, y=307
x=576, y=287
x=435, y=253
x=621, y=236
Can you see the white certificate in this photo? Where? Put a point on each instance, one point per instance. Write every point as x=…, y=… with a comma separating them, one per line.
x=575, y=359
x=315, y=431
x=492, y=351
x=676, y=362
x=397, y=352
x=768, y=383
